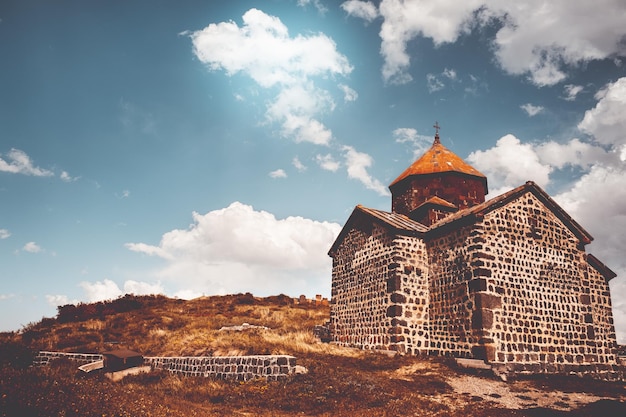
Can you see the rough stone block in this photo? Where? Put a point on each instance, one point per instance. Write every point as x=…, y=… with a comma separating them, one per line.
x=394, y=311
x=490, y=301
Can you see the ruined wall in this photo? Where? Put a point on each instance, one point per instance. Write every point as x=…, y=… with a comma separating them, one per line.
x=239, y=368
x=43, y=357
x=360, y=300
x=551, y=308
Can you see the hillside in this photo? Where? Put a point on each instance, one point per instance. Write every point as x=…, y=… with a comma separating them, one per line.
x=339, y=381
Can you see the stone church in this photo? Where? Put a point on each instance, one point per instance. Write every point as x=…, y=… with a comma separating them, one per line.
x=506, y=280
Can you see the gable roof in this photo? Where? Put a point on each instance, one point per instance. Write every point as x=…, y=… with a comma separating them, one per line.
x=499, y=201
x=395, y=221
x=439, y=159
x=402, y=224
x=604, y=270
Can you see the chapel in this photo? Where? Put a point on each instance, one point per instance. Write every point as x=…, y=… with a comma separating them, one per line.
x=446, y=272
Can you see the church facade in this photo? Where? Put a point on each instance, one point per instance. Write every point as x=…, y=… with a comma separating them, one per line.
x=446, y=272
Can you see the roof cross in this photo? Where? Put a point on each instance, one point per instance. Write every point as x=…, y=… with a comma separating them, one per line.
x=436, y=126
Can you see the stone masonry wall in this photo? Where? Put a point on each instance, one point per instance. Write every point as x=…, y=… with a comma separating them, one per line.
x=43, y=358
x=360, y=301
x=240, y=368
x=451, y=281
x=546, y=304
x=407, y=286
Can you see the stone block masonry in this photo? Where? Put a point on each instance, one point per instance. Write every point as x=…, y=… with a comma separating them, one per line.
x=43, y=358
x=239, y=368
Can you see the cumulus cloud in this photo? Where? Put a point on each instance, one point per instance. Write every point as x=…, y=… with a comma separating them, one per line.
x=279, y=173
x=108, y=290
x=365, y=10
x=238, y=249
x=538, y=38
x=357, y=164
x=263, y=50
x=18, y=162
x=31, y=247
x=4, y=234
x=328, y=162
x=531, y=109
x=606, y=121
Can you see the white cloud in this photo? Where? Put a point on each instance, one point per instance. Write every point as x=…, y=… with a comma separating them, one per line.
x=573, y=153
x=298, y=164
x=571, y=91
x=420, y=143
x=4, y=234
x=539, y=38
x=6, y=296
x=263, y=50
x=531, y=110
x=108, y=290
x=67, y=177
x=294, y=107
x=606, y=122
x=327, y=162
x=321, y=8
x=31, y=247
x=18, y=162
x=509, y=164
x=348, y=93
x=433, y=83
x=239, y=249
x=436, y=83
x=279, y=173
x=59, y=300
x=123, y=194
x=365, y=10
x=357, y=164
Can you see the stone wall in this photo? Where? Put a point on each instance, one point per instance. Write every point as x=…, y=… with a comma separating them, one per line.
x=240, y=368
x=360, y=313
x=555, y=308
x=461, y=190
x=512, y=286
x=43, y=358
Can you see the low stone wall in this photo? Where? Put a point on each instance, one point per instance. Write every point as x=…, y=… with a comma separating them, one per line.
x=44, y=357
x=240, y=368
x=603, y=372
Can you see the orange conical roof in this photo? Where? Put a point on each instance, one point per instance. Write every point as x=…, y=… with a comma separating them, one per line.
x=438, y=159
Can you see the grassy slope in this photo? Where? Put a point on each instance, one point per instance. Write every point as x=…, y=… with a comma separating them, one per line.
x=340, y=381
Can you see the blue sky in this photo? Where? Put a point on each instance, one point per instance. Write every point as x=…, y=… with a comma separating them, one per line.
x=197, y=147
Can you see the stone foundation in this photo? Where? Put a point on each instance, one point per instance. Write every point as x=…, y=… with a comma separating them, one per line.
x=239, y=368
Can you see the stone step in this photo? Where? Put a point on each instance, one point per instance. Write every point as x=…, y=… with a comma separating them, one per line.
x=472, y=363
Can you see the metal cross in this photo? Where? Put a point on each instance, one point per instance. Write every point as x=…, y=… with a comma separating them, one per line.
x=436, y=126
